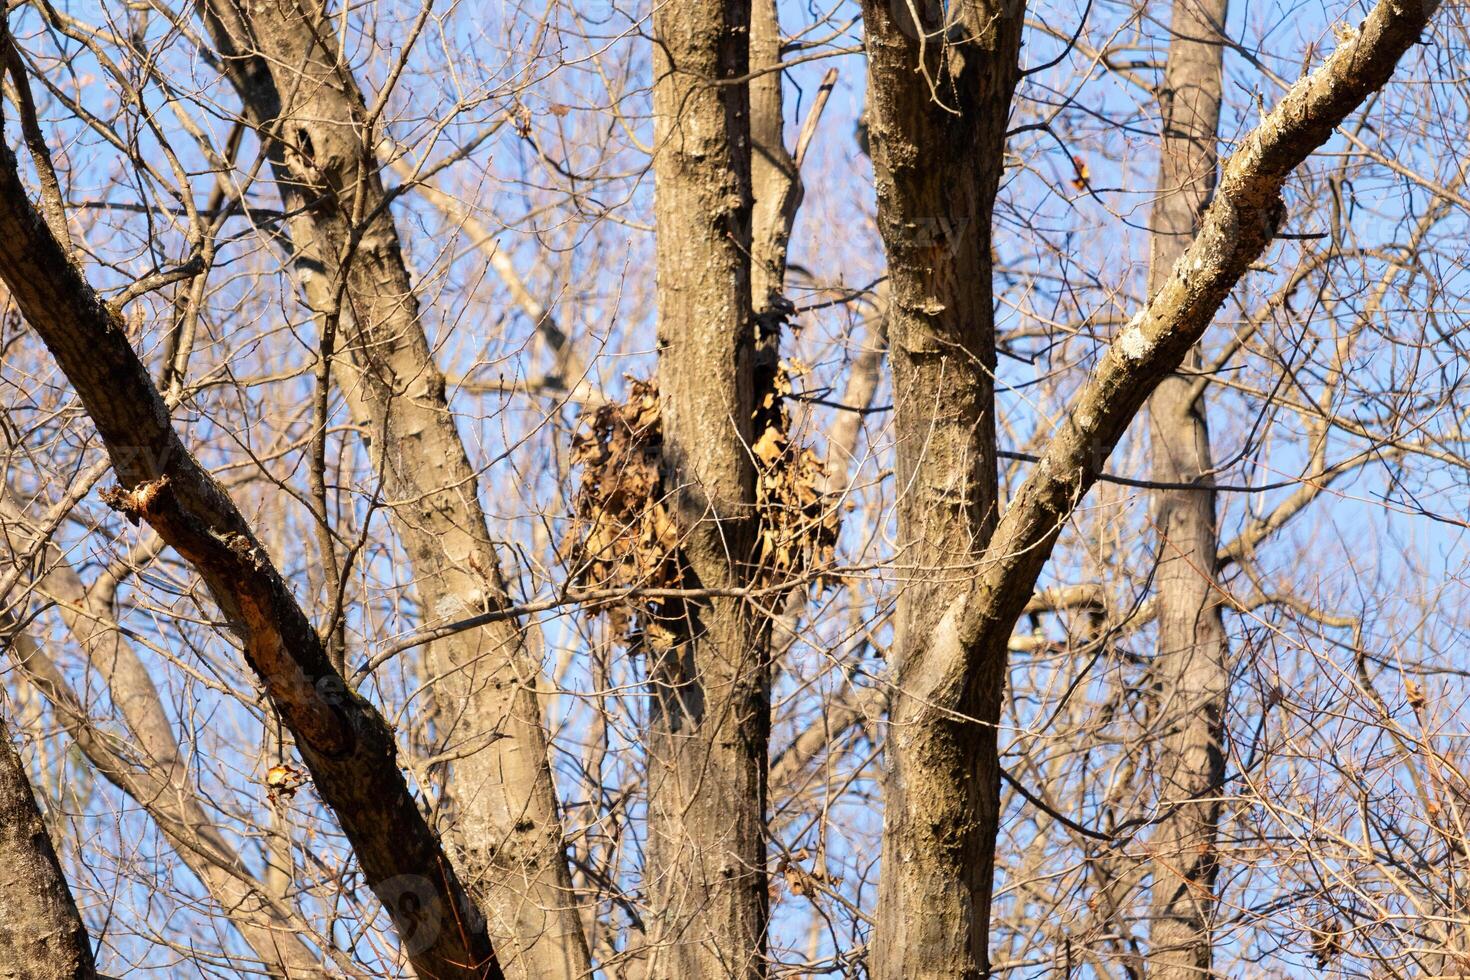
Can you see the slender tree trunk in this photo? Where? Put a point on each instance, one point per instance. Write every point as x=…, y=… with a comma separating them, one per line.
x=774, y=180
x=502, y=815
x=41, y=933
x=711, y=715
x=1192, y=660
x=939, y=96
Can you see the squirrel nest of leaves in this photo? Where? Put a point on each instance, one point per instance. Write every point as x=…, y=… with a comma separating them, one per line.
x=622, y=536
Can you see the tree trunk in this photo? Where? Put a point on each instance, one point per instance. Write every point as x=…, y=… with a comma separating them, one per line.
x=938, y=107
x=710, y=721
x=41, y=933
x=774, y=180
x=1192, y=659
x=502, y=809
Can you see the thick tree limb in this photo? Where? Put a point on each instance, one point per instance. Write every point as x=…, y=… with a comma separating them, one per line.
x=1236, y=229
x=343, y=740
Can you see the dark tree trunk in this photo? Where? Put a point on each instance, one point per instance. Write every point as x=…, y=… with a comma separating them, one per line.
x=711, y=718
x=41, y=933
x=939, y=96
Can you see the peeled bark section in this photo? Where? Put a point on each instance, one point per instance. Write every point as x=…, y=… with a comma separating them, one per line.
x=502, y=813
x=344, y=741
x=41, y=932
x=705, y=868
x=1191, y=665
x=939, y=93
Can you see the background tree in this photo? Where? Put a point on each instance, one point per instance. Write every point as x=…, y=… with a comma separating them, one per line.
x=1192, y=663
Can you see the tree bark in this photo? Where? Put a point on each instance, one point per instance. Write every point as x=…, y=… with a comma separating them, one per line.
x=939, y=93
x=1191, y=664
x=345, y=743
x=503, y=817
x=706, y=856
x=960, y=667
x=41, y=932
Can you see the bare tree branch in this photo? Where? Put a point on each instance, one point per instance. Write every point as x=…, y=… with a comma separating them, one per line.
x=345, y=743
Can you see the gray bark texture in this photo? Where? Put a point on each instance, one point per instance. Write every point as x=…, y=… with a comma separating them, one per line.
x=939, y=94
x=706, y=858
x=41, y=932
x=1191, y=665
x=939, y=826
x=502, y=818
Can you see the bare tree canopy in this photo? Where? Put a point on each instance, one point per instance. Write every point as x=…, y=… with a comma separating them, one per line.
x=895, y=489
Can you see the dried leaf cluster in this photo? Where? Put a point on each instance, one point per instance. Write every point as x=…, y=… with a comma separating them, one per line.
x=798, y=879
x=622, y=536
x=798, y=526
x=283, y=780
x=1326, y=940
